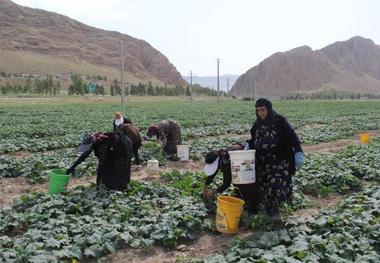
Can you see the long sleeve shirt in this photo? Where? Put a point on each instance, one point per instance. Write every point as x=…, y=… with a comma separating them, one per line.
x=227, y=178
x=225, y=167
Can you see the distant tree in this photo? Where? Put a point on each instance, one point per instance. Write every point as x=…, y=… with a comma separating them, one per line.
x=57, y=88
x=117, y=87
x=28, y=85
x=112, y=90
x=50, y=84
x=101, y=90
x=150, y=89
x=84, y=89
x=77, y=85
x=188, y=92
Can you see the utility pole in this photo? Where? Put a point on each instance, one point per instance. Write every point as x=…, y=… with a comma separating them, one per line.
x=217, y=83
x=122, y=79
x=191, y=84
x=228, y=87
x=250, y=85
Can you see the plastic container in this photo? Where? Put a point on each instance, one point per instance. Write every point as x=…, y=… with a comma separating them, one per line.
x=183, y=152
x=364, y=138
x=58, y=180
x=243, y=166
x=152, y=167
x=228, y=213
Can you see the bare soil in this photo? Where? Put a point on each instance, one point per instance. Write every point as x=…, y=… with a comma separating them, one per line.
x=312, y=126
x=338, y=145
x=13, y=188
x=21, y=154
x=207, y=244
x=325, y=203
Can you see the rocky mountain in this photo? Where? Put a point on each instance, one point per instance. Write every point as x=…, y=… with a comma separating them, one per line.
x=352, y=66
x=211, y=81
x=36, y=41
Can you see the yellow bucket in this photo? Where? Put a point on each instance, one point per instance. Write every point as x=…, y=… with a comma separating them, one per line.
x=228, y=214
x=364, y=138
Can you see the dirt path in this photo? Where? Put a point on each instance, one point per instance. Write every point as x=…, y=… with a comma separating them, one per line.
x=208, y=244
x=325, y=203
x=338, y=145
x=12, y=188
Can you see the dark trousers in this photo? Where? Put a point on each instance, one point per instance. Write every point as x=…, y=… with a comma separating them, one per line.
x=250, y=193
x=135, y=149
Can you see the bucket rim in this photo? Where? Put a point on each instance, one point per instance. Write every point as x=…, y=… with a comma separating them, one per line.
x=58, y=171
x=225, y=198
x=182, y=145
x=241, y=151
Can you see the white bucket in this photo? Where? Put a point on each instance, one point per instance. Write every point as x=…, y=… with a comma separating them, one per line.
x=152, y=167
x=243, y=166
x=183, y=152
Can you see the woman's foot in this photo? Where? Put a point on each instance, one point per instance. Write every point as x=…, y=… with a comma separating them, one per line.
x=274, y=214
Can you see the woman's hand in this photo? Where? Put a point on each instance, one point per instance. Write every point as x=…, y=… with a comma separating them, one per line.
x=299, y=160
x=208, y=194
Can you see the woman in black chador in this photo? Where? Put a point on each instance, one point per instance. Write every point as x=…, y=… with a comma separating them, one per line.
x=278, y=155
x=114, y=151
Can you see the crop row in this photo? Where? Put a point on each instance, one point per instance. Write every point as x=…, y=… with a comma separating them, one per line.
x=341, y=172
x=44, y=127
x=88, y=222
x=348, y=234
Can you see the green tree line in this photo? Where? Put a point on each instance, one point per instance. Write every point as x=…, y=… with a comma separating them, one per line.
x=38, y=86
x=80, y=87
x=148, y=89
x=330, y=95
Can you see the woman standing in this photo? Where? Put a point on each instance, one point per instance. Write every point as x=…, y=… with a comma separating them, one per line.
x=278, y=155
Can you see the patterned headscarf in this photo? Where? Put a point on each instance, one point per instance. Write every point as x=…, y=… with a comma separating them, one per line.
x=152, y=130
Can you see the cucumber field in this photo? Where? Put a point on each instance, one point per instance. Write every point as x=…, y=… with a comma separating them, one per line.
x=334, y=217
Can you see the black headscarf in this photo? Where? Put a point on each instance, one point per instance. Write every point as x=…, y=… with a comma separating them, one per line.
x=271, y=113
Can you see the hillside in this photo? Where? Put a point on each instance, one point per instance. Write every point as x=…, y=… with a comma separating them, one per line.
x=351, y=66
x=39, y=42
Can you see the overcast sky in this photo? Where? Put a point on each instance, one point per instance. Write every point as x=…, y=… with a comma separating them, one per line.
x=192, y=34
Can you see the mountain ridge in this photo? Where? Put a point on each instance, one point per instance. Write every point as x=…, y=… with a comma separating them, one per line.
x=352, y=65
x=27, y=31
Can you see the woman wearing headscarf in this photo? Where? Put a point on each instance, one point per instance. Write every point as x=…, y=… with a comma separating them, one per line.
x=134, y=134
x=168, y=134
x=119, y=120
x=216, y=161
x=278, y=156
x=114, y=151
